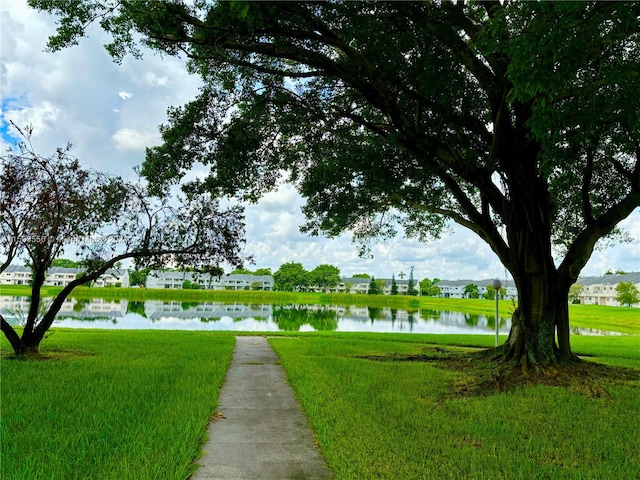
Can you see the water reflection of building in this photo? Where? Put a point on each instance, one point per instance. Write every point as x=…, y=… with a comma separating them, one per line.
x=14, y=304
x=155, y=309
x=365, y=314
x=96, y=307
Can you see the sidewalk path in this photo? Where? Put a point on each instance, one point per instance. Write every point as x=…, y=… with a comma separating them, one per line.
x=264, y=434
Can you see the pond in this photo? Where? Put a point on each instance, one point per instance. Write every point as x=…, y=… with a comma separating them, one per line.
x=171, y=315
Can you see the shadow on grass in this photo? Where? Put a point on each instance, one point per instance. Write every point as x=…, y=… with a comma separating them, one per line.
x=46, y=355
x=480, y=374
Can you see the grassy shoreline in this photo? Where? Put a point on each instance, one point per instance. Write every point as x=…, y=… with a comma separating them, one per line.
x=597, y=317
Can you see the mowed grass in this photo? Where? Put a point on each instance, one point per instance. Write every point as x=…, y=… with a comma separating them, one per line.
x=384, y=418
x=110, y=405
x=134, y=405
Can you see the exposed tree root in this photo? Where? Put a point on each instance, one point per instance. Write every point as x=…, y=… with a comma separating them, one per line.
x=47, y=354
x=486, y=372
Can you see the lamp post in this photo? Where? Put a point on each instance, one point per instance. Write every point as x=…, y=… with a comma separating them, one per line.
x=496, y=284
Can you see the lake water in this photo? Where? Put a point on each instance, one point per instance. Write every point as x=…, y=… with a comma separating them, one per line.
x=162, y=315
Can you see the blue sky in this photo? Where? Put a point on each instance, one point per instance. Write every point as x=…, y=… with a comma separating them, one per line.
x=111, y=112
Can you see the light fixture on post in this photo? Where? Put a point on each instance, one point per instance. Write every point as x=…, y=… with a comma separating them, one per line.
x=497, y=284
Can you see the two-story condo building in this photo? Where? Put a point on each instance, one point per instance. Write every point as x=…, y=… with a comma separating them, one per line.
x=456, y=288
x=176, y=280
x=602, y=290
x=61, y=277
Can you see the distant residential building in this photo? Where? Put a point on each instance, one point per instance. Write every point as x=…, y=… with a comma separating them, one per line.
x=602, y=290
x=61, y=277
x=176, y=280
x=599, y=290
x=15, y=275
x=456, y=288
x=449, y=288
x=361, y=285
x=113, y=277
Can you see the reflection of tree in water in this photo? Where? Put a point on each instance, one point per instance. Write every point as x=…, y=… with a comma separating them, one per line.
x=430, y=313
x=80, y=304
x=207, y=320
x=289, y=318
x=257, y=319
x=491, y=322
x=326, y=320
x=87, y=319
x=188, y=305
x=292, y=317
x=471, y=319
x=375, y=313
x=137, y=308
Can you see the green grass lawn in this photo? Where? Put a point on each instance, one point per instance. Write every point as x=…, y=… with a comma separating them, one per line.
x=134, y=405
x=394, y=419
x=110, y=405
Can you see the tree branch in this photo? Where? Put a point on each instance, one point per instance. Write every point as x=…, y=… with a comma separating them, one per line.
x=58, y=301
x=582, y=247
x=587, y=211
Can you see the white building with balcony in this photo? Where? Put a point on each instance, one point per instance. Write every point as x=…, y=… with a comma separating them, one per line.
x=602, y=290
x=61, y=277
x=176, y=280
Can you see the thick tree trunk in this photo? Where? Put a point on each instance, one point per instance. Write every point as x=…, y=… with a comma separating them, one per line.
x=14, y=339
x=28, y=344
x=31, y=341
x=542, y=312
x=34, y=329
x=543, y=294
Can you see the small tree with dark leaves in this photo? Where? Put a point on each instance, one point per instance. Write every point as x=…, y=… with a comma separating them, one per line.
x=49, y=204
x=394, y=285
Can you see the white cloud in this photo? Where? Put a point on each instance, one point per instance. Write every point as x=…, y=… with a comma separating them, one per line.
x=154, y=80
x=124, y=94
x=42, y=117
x=131, y=139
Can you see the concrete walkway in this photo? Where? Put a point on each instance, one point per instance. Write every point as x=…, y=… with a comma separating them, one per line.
x=263, y=433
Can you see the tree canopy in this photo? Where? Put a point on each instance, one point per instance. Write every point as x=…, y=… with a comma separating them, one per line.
x=65, y=263
x=471, y=290
x=375, y=288
x=430, y=287
x=516, y=120
x=324, y=276
x=394, y=285
x=290, y=276
x=360, y=275
x=627, y=294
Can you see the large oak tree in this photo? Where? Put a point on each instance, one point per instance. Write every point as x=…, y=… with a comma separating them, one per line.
x=517, y=120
